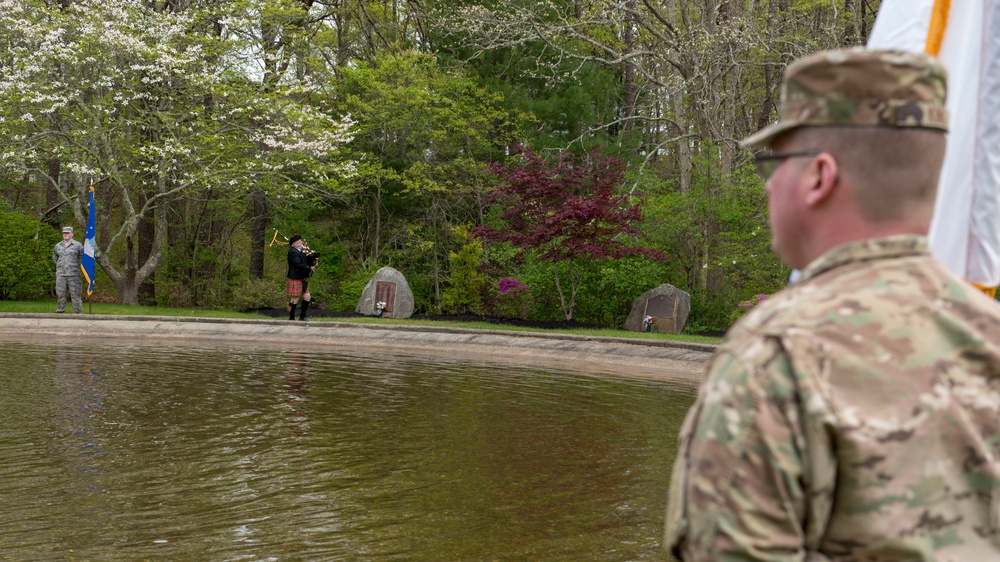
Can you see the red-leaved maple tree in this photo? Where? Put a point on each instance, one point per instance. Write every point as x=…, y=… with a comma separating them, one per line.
x=567, y=210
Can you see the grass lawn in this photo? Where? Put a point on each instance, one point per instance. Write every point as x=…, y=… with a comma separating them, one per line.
x=104, y=308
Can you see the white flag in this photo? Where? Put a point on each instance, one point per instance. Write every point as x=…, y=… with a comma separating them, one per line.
x=965, y=36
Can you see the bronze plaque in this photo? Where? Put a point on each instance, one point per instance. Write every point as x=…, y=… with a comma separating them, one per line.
x=385, y=292
x=660, y=306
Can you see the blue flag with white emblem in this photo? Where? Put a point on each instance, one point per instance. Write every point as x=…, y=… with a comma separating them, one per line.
x=89, y=247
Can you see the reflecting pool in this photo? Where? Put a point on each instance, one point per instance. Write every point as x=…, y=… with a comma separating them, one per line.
x=112, y=451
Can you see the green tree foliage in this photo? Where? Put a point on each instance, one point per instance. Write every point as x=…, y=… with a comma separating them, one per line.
x=568, y=212
x=690, y=79
x=350, y=288
x=26, y=268
x=676, y=64
x=205, y=124
x=612, y=288
x=464, y=292
x=151, y=103
x=570, y=96
x=717, y=236
x=328, y=280
x=424, y=137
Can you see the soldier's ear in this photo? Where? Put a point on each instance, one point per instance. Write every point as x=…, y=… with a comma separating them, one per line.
x=822, y=179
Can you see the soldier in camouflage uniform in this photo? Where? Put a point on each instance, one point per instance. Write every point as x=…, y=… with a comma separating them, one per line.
x=67, y=255
x=855, y=415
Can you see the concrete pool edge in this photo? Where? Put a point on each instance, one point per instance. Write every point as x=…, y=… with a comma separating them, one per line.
x=643, y=357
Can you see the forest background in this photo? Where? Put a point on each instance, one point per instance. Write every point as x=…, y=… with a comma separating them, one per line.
x=381, y=130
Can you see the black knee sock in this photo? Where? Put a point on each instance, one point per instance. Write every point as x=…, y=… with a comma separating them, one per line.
x=291, y=310
x=305, y=307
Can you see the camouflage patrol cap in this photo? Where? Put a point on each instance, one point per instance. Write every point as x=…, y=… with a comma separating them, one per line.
x=860, y=88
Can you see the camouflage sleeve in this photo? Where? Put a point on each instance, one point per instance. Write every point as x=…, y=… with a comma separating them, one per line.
x=737, y=490
x=55, y=254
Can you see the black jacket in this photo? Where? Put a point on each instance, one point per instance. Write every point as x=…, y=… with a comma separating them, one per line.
x=298, y=266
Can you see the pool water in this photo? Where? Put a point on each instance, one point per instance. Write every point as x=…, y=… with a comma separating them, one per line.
x=114, y=451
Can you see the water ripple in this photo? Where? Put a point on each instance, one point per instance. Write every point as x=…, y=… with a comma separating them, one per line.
x=126, y=452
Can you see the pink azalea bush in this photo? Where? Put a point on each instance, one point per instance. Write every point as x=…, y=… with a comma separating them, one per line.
x=513, y=298
x=746, y=305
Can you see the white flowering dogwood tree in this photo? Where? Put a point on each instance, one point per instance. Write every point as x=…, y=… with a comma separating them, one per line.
x=149, y=103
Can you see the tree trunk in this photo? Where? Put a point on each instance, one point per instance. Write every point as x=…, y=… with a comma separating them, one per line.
x=683, y=145
x=127, y=292
x=705, y=254
x=630, y=85
x=562, y=297
x=864, y=28
x=676, y=106
x=146, y=294
x=567, y=307
x=258, y=233
x=127, y=282
x=436, y=265
x=52, y=191
x=376, y=235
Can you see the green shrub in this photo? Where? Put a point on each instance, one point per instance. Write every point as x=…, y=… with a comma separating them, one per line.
x=464, y=292
x=422, y=286
x=352, y=284
x=324, y=282
x=258, y=293
x=612, y=286
x=26, y=267
x=544, y=301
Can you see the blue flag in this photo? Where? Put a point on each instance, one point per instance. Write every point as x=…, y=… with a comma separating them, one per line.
x=87, y=260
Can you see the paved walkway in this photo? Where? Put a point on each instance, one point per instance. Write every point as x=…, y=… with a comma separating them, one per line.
x=657, y=359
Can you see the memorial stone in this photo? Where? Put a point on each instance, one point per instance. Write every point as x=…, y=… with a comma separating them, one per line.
x=387, y=295
x=666, y=308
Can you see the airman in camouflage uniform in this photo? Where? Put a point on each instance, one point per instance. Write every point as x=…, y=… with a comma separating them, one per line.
x=67, y=255
x=855, y=415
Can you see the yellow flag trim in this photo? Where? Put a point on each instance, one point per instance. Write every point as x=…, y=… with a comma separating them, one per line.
x=935, y=31
x=990, y=291
x=935, y=36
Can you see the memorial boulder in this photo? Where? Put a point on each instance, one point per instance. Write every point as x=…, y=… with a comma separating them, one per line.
x=387, y=294
x=663, y=309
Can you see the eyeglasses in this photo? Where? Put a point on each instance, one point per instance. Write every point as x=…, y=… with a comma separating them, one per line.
x=768, y=162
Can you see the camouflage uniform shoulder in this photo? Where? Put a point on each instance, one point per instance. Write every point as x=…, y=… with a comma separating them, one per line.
x=876, y=281
x=881, y=346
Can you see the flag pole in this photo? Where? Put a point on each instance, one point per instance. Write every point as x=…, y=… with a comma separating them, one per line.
x=87, y=260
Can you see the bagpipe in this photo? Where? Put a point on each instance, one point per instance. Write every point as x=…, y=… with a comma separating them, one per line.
x=312, y=256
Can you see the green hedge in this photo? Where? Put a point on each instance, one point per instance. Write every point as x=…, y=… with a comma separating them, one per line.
x=26, y=268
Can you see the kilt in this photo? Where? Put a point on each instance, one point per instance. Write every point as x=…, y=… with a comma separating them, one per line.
x=295, y=287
